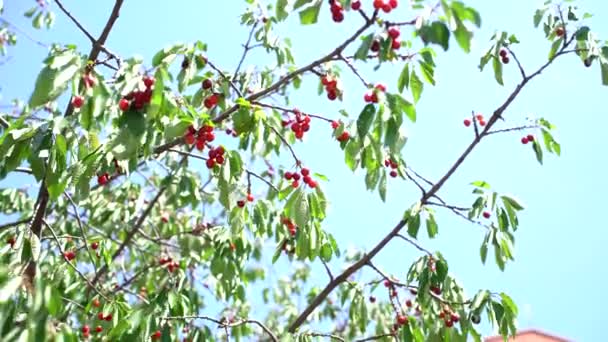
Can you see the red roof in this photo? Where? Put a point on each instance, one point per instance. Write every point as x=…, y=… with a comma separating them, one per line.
x=529, y=335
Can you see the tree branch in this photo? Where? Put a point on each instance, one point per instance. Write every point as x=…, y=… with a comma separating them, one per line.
x=225, y=324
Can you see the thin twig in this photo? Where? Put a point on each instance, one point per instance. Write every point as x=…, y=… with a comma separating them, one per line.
x=226, y=324
x=415, y=244
x=246, y=49
x=519, y=65
x=84, y=235
x=14, y=224
x=293, y=153
x=355, y=71
x=520, y=128
x=228, y=79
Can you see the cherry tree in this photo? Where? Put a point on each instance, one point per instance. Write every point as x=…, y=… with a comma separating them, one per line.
x=164, y=183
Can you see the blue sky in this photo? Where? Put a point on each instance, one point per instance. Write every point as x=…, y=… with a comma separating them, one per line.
x=557, y=276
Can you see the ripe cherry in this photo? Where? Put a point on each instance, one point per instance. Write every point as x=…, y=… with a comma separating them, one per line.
x=408, y=303
x=372, y=299
x=482, y=123
x=149, y=81
x=344, y=136
x=11, y=241
x=505, y=60
x=288, y=175
x=337, y=16
x=387, y=283
x=305, y=171
x=108, y=317
x=250, y=198
x=395, y=45
x=436, y=290
x=375, y=47
x=156, y=335
x=467, y=122
x=380, y=87
x=94, y=245
x=189, y=138
x=455, y=318
x=96, y=303
x=487, y=214
x=401, y=319
x=393, y=3
x=102, y=179
x=69, y=255
x=393, y=173
x=524, y=140
x=530, y=137
x=449, y=323
x=503, y=53
x=100, y=316
x=77, y=101
x=86, y=329
x=99, y=328
x=355, y=5
x=560, y=31
x=393, y=32
x=295, y=184
x=210, y=163
x=124, y=105
x=207, y=84
x=335, y=124
x=240, y=203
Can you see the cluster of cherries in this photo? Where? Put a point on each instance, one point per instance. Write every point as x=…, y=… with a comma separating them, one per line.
x=138, y=99
x=216, y=156
x=300, y=124
x=331, y=87
x=372, y=95
x=86, y=329
x=480, y=120
x=295, y=178
x=201, y=137
x=172, y=265
x=89, y=81
x=504, y=56
x=393, y=165
x=385, y=6
x=241, y=203
x=211, y=100
x=528, y=138
x=290, y=225
x=104, y=178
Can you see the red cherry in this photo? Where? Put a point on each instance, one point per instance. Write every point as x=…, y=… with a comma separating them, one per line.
x=86, y=329
x=372, y=299
x=98, y=328
x=94, y=245
x=219, y=160
x=149, y=81
x=530, y=137
x=69, y=255
x=335, y=124
x=96, y=303
x=77, y=101
x=207, y=84
x=505, y=60
x=156, y=335
x=375, y=46
x=250, y=198
x=449, y=324
x=240, y=203
x=344, y=136
x=455, y=318
x=393, y=32
x=524, y=140
x=11, y=241
x=503, y=53
x=436, y=290
x=210, y=163
x=312, y=184
x=124, y=105
x=395, y=45
x=307, y=180
x=355, y=5
x=487, y=214
x=402, y=320
x=100, y=316
x=200, y=144
x=295, y=184
x=305, y=171
x=331, y=95
x=189, y=138
x=378, y=4
x=408, y=303
x=164, y=219
x=386, y=8
x=467, y=122
x=296, y=176
x=381, y=87
x=108, y=317
x=393, y=3
x=482, y=123
x=387, y=283
x=288, y=175
x=560, y=31
x=367, y=97
x=479, y=117
x=393, y=174
x=337, y=17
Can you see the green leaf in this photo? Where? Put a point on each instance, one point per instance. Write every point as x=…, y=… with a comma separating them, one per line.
x=431, y=226
x=554, y=47
x=417, y=86
x=300, y=3
x=404, y=78
x=363, y=49
x=310, y=15
x=479, y=300
x=382, y=188
x=538, y=16
x=301, y=210
x=413, y=225
x=513, y=202
x=437, y=33
x=281, y=10
x=351, y=153
x=483, y=252
x=508, y=303
x=538, y=151
x=53, y=81
x=604, y=70
x=364, y=122
x=10, y=288
x=497, y=65
x=463, y=37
